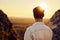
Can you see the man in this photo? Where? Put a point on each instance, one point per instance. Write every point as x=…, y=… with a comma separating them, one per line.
x=38, y=31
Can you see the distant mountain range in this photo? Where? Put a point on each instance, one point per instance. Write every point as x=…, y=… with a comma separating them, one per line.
x=24, y=20
x=21, y=20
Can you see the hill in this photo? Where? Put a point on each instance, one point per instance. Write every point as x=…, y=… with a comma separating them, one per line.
x=21, y=20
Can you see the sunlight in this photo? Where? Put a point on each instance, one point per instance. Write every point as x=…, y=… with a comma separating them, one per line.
x=44, y=6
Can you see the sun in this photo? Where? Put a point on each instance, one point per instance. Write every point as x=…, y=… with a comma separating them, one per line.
x=44, y=6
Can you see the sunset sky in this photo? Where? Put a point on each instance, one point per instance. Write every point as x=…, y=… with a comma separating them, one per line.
x=23, y=8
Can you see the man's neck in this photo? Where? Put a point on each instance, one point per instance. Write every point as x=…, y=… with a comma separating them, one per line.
x=38, y=20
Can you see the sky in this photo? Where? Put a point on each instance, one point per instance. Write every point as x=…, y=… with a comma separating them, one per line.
x=23, y=8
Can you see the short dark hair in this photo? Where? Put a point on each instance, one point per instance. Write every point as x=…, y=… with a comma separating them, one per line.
x=38, y=12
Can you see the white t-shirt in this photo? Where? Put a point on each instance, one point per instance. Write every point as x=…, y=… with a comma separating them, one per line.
x=38, y=31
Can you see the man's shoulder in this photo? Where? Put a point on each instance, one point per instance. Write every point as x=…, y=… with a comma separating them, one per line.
x=47, y=27
x=28, y=28
x=31, y=28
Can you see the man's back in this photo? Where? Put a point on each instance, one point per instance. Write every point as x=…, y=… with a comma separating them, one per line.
x=38, y=31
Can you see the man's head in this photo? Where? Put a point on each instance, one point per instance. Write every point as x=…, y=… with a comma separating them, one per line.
x=38, y=12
